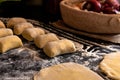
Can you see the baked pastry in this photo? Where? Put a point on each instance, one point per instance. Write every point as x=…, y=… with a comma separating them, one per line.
x=67, y=71
x=15, y=20
x=2, y=25
x=41, y=40
x=9, y=42
x=58, y=47
x=19, y=28
x=5, y=32
x=110, y=65
x=30, y=33
x=89, y=21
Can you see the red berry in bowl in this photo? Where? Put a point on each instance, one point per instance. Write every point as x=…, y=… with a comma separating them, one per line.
x=109, y=10
x=92, y=5
x=113, y=3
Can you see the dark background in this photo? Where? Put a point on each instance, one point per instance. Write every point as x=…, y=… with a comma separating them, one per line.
x=48, y=11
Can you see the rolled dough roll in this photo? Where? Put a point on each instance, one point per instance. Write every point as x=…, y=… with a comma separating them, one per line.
x=2, y=25
x=67, y=71
x=19, y=28
x=9, y=42
x=58, y=47
x=30, y=33
x=41, y=40
x=5, y=32
x=15, y=20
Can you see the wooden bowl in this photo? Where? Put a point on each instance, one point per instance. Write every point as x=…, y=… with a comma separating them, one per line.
x=89, y=21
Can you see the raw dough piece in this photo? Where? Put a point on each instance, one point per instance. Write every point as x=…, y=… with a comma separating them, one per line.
x=31, y=33
x=2, y=25
x=9, y=42
x=15, y=20
x=19, y=28
x=111, y=65
x=58, y=47
x=67, y=71
x=41, y=40
x=5, y=32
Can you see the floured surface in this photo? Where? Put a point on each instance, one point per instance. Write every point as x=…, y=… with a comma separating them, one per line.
x=111, y=65
x=22, y=63
x=67, y=71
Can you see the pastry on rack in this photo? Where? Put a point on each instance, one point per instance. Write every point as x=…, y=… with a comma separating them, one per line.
x=19, y=28
x=5, y=32
x=59, y=47
x=9, y=42
x=41, y=40
x=15, y=20
x=2, y=25
x=30, y=33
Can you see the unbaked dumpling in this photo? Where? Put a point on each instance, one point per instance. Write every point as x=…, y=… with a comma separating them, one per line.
x=15, y=20
x=67, y=71
x=5, y=32
x=19, y=28
x=9, y=42
x=30, y=33
x=110, y=65
x=58, y=47
x=2, y=25
x=41, y=40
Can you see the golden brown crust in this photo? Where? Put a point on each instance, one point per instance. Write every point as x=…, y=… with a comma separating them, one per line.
x=89, y=21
